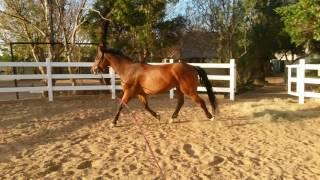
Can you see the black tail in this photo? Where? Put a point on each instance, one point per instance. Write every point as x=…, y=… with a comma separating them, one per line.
x=205, y=81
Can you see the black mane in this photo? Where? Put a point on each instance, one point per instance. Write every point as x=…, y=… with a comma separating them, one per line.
x=116, y=52
x=113, y=51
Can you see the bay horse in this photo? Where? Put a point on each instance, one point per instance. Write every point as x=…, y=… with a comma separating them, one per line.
x=141, y=80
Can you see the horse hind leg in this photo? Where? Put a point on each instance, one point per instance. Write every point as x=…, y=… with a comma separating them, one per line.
x=144, y=100
x=180, y=98
x=196, y=98
x=190, y=89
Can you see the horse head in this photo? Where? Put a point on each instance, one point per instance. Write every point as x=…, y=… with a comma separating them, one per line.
x=100, y=63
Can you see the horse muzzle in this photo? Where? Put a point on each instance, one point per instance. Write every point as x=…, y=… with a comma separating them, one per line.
x=94, y=70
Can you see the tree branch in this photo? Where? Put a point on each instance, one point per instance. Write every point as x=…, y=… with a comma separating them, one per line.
x=106, y=18
x=23, y=19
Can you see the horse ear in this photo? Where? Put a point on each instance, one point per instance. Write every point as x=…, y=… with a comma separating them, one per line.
x=100, y=51
x=100, y=47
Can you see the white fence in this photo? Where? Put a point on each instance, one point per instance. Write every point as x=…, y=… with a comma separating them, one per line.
x=301, y=80
x=112, y=87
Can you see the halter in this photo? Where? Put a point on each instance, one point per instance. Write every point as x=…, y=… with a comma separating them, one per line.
x=101, y=60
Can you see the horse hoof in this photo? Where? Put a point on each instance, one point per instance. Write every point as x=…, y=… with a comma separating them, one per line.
x=112, y=125
x=211, y=119
x=158, y=116
x=170, y=120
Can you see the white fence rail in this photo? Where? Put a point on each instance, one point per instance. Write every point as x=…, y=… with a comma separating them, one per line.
x=301, y=80
x=112, y=87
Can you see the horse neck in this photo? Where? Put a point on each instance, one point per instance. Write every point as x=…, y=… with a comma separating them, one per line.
x=119, y=65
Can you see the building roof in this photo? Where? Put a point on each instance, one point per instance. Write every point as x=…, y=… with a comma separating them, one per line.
x=193, y=45
x=197, y=44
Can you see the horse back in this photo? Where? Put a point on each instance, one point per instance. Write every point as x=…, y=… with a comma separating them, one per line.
x=155, y=79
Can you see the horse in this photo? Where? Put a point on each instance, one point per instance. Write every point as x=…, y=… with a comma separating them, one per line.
x=138, y=79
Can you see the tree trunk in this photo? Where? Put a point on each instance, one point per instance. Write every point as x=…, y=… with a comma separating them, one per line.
x=49, y=21
x=36, y=58
x=50, y=34
x=261, y=74
x=68, y=48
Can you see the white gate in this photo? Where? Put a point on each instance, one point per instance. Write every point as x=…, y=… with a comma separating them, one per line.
x=301, y=80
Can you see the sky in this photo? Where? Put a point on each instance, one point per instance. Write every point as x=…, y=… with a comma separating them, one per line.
x=178, y=9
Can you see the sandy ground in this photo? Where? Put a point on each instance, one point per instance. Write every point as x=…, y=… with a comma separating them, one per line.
x=256, y=137
x=9, y=96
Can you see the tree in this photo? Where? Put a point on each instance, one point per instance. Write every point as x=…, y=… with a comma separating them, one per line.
x=20, y=21
x=54, y=21
x=69, y=23
x=134, y=25
x=225, y=18
x=302, y=20
x=169, y=34
x=264, y=35
x=4, y=54
x=248, y=30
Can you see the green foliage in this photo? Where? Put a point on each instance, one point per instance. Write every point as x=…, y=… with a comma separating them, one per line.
x=4, y=56
x=227, y=19
x=266, y=29
x=302, y=20
x=170, y=31
x=137, y=26
x=266, y=35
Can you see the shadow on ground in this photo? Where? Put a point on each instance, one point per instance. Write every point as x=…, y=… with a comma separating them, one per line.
x=285, y=115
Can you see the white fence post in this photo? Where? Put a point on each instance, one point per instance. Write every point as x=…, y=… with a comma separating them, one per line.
x=113, y=83
x=49, y=79
x=300, y=80
x=235, y=76
x=172, y=90
x=232, y=79
x=289, y=79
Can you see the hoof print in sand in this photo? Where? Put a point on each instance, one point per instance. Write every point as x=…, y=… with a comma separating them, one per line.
x=84, y=165
x=49, y=168
x=188, y=149
x=132, y=167
x=216, y=160
x=158, y=151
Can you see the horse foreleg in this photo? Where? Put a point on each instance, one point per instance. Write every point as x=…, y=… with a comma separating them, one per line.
x=180, y=98
x=125, y=99
x=144, y=100
x=118, y=114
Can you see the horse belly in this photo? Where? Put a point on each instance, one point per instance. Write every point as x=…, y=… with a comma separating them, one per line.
x=156, y=85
